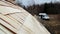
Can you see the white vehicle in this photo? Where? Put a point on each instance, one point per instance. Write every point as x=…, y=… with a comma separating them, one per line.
x=44, y=16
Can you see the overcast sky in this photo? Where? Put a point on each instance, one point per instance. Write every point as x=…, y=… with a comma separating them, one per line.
x=32, y=2
x=45, y=1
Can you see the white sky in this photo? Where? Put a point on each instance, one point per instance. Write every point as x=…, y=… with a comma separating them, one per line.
x=32, y=2
x=45, y=1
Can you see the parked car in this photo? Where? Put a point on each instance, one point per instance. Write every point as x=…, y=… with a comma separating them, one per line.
x=44, y=16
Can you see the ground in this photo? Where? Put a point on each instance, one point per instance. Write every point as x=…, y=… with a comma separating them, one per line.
x=53, y=25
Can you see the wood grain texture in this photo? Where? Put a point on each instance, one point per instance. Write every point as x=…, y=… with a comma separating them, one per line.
x=20, y=22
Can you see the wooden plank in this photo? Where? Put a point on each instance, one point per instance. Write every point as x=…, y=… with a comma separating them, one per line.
x=8, y=10
x=8, y=26
x=4, y=30
x=3, y=3
x=19, y=16
x=11, y=22
x=14, y=6
x=19, y=19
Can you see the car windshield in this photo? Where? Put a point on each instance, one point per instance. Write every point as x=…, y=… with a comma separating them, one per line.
x=45, y=16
